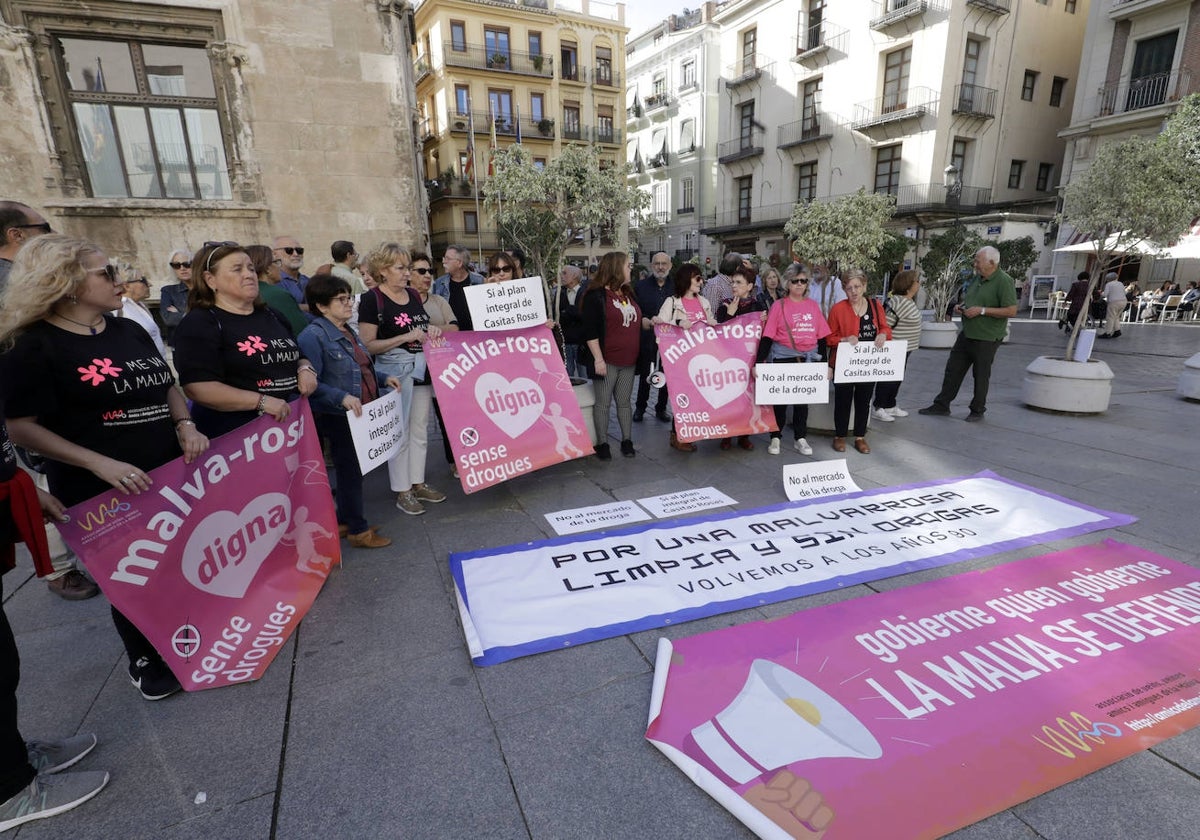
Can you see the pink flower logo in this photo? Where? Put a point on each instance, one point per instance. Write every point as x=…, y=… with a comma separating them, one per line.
x=403, y=320
x=253, y=344
x=98, y=371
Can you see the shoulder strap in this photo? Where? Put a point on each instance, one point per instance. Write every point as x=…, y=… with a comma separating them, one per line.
x=378, y=305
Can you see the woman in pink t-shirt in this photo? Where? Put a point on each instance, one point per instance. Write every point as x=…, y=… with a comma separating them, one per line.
x=794, y=326
x=686, y=309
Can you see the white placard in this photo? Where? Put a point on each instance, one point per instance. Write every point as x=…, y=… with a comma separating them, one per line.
x=1084, y=345
x=379, y=432
x=576, y=520
x=817, y=478
x=863, y=361
x=685, y=501
x=512, y=305
x=791, y=384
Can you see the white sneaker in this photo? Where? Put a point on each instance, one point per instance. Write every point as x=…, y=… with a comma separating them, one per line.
x=897, y=411
x=882, y=415
x=801, y=446
x=773, y=447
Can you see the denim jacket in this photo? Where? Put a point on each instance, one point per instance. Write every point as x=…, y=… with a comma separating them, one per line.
x=331, y=353
x=441, y=286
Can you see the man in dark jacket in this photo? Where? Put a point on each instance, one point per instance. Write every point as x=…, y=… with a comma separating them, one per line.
x=651, y=292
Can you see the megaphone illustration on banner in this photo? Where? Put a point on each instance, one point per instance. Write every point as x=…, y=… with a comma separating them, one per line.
x=778, y=718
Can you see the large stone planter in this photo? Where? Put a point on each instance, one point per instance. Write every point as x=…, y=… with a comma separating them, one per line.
x=1189, y=380
x=1072, y=387
x=585, y=395
x=938, y=336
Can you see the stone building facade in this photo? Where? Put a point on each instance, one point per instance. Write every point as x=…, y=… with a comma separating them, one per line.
x=147, y=126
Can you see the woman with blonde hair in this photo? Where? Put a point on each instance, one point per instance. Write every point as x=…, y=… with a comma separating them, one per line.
x=394, y=325
x=612, y=328
x=92, y=394
x=857, y=318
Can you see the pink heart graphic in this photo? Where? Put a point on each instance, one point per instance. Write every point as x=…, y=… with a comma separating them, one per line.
x=513, y=406
x=224, y=552
x=719, y=383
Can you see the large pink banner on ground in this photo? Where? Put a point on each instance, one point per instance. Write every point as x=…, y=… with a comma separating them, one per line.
x=913, y=713
x=217, y=563
x=507, y=402
x=708, y=374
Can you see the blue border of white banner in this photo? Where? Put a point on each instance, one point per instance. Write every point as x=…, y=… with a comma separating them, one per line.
x=497, y=654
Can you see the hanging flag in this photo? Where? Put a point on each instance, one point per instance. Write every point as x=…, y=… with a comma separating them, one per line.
x=518, y=119
x=98, y=84
x=469, y=167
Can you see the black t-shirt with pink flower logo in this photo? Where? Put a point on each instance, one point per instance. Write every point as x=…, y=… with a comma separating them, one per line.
x=105, y=392
x=254, y=352
x=395, y=319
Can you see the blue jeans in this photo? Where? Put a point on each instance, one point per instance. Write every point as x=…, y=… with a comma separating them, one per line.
x=349, y=495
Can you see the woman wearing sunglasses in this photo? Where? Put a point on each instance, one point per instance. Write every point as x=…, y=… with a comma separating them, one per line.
x=420, y=280
x=347, y=379
x=91, y=393
x=172, y=300
x=500, y=267
x=236, y=359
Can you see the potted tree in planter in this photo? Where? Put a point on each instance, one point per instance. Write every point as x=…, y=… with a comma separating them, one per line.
x=944, y=266
x=545, y=127
x=498, y=60
x=538, y=61
x=1137, y=192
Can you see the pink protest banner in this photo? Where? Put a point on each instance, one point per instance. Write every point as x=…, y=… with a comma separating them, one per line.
x=507, y=402
x=217, y=563
x=708, y=374
x=915, y=712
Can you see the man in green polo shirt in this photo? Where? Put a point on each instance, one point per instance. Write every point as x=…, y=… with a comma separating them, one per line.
x=989, y=300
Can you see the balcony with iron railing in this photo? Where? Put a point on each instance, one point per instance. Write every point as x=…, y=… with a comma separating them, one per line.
x=426, y=129
x=818, y=39
x=421, y=68
x=574, y=72
x=754, y=217
x=476, y=56
x=1129, y=94
x=440, y=240
x=749, y=68
x=894, y=107
x=572, y=130
x=1122, y=9
x=810, y=129
x=655, y=101
x=933, y=198
x=506, y=124
x=974, y=101
x=606, y=134
x=996, y=7
x=746, y=146
x=604, y=76
x=890, y=12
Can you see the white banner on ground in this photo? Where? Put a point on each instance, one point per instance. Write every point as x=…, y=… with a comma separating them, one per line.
x=686, y=501
x=577, y=520
x=379, y=432
x=512, y=305
x=791, y=384
x=817, y=478
x=535, y=597
x=863, y=361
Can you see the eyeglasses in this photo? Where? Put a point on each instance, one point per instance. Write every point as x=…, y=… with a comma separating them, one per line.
x=109, y=271
x=342, y=299
x=289, y=251
x=217, y=246
x=44, y=227
x=423, y=270
x=179, y=265
x=801, y=280
x=143, y=281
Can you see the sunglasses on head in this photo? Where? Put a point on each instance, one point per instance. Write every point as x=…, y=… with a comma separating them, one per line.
x=290, y=251
x=217, y=246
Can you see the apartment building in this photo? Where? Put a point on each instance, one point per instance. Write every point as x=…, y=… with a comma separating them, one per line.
x=672, y=106
x=149, y=126
x=952, y=107
x=1140, y=58
x=543, y=73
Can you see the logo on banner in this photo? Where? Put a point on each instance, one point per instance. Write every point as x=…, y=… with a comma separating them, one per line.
x=225, y=551
x=513, y=406
x=720, y=383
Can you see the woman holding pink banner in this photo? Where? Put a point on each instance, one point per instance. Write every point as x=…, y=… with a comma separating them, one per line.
x=794, y=327
x=612, y=331
x=743, y=302
x=347, y=379
x=236, y=358
x=394, y=325
x=857, y=318
x=441, y=315
x=686, y=309
x=92, y=394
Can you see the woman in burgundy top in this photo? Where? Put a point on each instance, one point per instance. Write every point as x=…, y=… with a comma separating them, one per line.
x=612, y=323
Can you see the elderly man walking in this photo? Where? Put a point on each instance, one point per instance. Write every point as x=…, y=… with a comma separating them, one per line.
x=988, y=301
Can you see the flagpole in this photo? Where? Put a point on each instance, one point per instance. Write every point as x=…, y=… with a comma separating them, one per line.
x=475, y=184
x=492, y=150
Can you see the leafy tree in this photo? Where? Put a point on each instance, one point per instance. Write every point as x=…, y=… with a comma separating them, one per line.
x=543, y=210
x=890, y=259
x=845, y=232
x=1183, y=132
x=948, y=260
x=1017, y=256
x=1136, y=190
